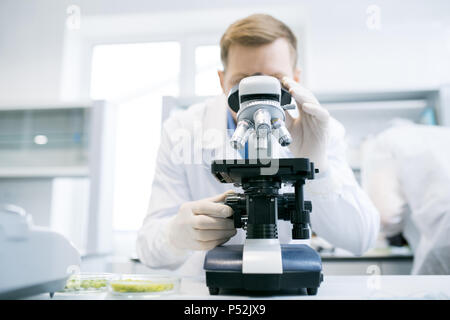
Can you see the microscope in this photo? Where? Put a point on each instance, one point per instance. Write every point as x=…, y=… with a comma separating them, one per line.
x=262, y=264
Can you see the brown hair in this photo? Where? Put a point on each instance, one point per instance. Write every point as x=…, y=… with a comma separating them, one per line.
x=256, y=30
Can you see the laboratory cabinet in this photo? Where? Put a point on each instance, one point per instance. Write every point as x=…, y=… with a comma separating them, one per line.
x=56, y=162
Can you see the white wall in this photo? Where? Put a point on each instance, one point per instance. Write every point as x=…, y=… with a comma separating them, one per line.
x=411, y=50
x=31, y=36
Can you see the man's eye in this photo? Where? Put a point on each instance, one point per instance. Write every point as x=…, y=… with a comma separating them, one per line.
x=236, y=81
x=278, y=76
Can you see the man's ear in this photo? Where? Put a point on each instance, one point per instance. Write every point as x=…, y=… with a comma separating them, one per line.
x=221, y=75
x=297, y=73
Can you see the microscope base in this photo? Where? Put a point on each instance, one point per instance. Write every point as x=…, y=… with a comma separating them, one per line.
x=302, y=269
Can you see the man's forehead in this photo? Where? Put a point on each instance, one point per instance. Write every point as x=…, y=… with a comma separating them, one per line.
x=270, y=69
x=271, y=59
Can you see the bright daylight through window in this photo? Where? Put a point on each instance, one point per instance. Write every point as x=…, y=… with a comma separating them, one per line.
x=136, y=77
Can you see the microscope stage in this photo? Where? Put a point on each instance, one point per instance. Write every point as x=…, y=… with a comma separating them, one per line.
x=238, y=171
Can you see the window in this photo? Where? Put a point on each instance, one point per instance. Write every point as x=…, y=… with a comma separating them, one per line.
x=135, y=77
x=127, y=71
x=207, y=62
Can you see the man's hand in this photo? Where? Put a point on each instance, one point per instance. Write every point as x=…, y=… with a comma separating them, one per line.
x=310, y=130
x=202, y=224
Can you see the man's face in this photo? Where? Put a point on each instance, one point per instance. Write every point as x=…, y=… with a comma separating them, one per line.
x=274, y=59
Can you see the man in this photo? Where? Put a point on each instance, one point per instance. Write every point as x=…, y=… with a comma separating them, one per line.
x=186, y=217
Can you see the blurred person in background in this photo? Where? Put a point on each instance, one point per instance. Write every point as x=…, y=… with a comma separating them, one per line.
x=406, y=172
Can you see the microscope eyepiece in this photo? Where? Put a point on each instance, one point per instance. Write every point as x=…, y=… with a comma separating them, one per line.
x=258, y=101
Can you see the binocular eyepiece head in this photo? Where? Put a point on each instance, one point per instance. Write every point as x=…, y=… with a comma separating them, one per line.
x=260, y=102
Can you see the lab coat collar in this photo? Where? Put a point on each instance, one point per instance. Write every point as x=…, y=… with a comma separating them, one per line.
x=214, y=133
x=216, y=113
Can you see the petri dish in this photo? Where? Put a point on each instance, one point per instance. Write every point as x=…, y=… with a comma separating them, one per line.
x=88, y=282
x=143, y=285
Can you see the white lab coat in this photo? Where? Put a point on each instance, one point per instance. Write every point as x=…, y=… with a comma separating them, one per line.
x=342, y=212
x=407, y=174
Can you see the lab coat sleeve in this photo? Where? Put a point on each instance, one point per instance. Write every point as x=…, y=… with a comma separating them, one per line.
x=169, y=191
x=342, y=212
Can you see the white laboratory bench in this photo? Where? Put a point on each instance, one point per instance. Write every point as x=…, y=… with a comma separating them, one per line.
x=332, y=288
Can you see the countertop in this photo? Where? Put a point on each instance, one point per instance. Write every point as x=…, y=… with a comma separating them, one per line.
x=332, y=288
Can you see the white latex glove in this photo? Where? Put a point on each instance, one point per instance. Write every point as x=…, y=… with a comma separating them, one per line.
x=202, y=224
x=310, y=130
